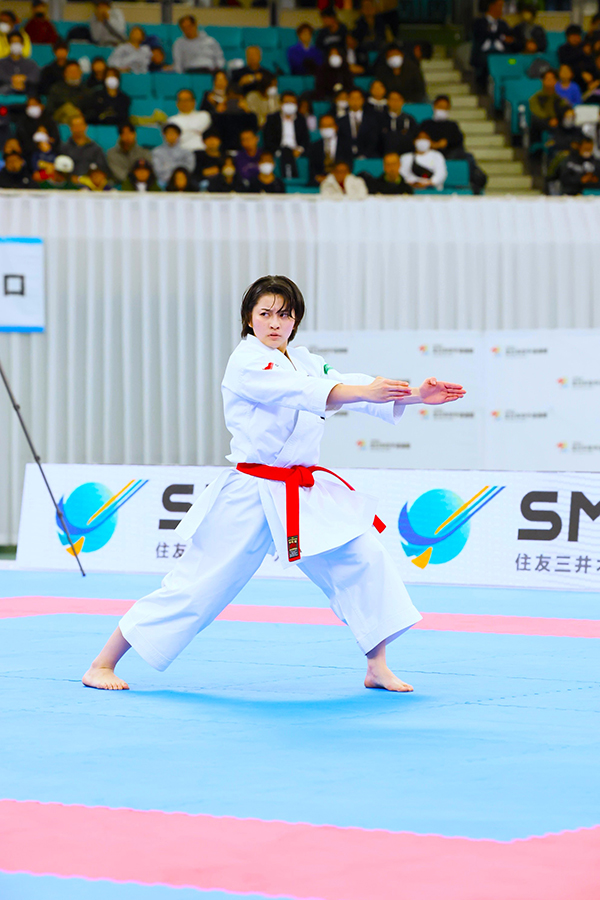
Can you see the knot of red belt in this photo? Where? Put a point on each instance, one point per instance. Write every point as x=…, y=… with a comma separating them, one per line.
x=294, y=478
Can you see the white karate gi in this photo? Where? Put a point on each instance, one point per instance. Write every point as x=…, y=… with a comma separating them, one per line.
x=275, y=410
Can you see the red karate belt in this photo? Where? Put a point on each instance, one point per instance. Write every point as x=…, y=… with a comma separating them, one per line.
x=294, y=478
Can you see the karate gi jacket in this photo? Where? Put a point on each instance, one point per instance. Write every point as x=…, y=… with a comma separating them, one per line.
x=275, y=410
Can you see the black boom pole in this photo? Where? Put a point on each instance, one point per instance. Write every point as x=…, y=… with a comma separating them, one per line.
x=38, y=460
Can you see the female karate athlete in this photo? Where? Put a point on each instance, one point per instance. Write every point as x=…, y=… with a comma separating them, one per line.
x=276, y=401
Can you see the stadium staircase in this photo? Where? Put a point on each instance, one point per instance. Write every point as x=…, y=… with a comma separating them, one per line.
x=490, y=147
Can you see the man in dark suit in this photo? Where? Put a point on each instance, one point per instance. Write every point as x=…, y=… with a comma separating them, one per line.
x=359, y=131
x=398, y=128
x=285, y=134
x=491, y=34
x=324, y=153
x=445, y=134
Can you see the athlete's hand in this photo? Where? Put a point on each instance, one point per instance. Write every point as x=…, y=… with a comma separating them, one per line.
x=382, y=390
x=433, y=391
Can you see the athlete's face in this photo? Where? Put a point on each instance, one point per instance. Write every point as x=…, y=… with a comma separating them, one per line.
x=270, y=323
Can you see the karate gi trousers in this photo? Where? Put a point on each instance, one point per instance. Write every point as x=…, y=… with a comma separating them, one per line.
x=359, y=579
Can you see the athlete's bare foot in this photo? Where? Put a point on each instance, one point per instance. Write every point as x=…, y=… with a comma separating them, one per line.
x=384, y=678
x=104, y=678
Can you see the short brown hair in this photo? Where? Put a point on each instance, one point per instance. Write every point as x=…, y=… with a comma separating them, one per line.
x=281, y=286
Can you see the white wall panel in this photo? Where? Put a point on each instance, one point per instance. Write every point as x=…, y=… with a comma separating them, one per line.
x=143, y=296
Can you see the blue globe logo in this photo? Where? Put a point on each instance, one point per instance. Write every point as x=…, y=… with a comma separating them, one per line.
x=90, y=514
x=437, y=526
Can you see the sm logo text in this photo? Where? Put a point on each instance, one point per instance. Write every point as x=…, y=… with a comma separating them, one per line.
x=579, y=504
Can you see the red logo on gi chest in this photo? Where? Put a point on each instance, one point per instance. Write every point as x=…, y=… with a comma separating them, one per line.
x=270, y=366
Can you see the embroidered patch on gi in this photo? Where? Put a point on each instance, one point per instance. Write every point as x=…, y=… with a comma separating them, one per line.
x=326, y=368
x=270, y=366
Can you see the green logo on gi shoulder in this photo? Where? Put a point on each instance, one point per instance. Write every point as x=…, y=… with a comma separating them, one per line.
x=327, y=367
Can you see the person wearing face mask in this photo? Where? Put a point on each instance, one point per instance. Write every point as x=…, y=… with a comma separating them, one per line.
x=42, y=159
x=333, y=75
x=581, y=169
x=401, y=72
x=39, y=27
x=30, y=120
x=445, y=134
x=424, y=167
x=286, y=134
x=228, y=181
x=17, y=75
x=69, y=96
x=133, y=55
x=398, y=128
x=360, y=130
x=266, y=182
x=108, y=105
x=9, y=24
x=324, y=153
x=264, y=100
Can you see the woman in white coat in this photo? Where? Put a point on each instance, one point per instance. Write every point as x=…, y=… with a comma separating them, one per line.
x=276, y=401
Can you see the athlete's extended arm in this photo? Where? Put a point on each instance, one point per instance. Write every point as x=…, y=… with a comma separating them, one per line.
x=382, y=390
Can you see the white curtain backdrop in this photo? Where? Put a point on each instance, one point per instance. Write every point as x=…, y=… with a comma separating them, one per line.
x=143, y=297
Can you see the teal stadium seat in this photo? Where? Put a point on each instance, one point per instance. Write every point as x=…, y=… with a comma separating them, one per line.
x=77, y=51
x=419, y=111
x=64, y=131
x=228, y=36
x=139, y=87
x=296, y=83
x=503, y=68
x=517, y=93
x=373, y=167
x=363, y=82
x=63, y=27
x=287, y=37
x=105, y=135
x=275, y=61
x=12, y=99
x=267, y=38
x=166, y=34
x=166, y=84
x=149, y=137
x=42, y=54
x=555, y=40
x=320, y=108
x=145, y=106
x=201, y=84
x=458, y=174
x=302, y=189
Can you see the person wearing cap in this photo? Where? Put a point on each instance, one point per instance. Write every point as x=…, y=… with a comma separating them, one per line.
x=170, y=155
x=33, y=117
x=96, y=179
x=60, y=176
x=107, y=25
x=9, y=23
x=141, y=178
x=82, y=150
x=17, y=75
x=15, y=173
x=126, y=151
x=39, y=27
x=41, y=161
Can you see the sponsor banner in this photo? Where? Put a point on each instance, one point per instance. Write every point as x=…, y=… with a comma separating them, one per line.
x=490, y=528
x=531, y=403
x=22, y=284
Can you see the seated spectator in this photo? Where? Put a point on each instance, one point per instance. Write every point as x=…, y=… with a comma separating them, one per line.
x=108, y=105
x=333, y=75
x=15, y=173
x=54, y=71
x=68, y=97
x=400, y=72
x=125, y=153
x=356, y=56
x=96, y=77
x=303, y=57
x=246, y=161
x=210, y=160
x=18, y=75
x=390, y=181
x=527, y=30
x=286, y=134
x=332, y=34
x=60, y=177
x=593, y=34
x=264, y=101
x=590, y=78
x=132, y=56
x=266, y=182
x=252, y=76
x=11, y=145
x=42, y=158
x=539, y=65
x=360, y=130
x=215, y=100
x=141, y=177
x=445, y=134
x=228, y=182
x=82, y=149
x=195, y=51
x=369, y=29
x=377, y=96
x=566, y=87
x=340, y=104
x=424, y=168
x=96, y=179
x=192, y=122
x=398, y=128
x=170, y=155
x=9, y=24
x=158, y=60
x=181, y=182
x=305, y=108
x=572, y=53
x=107, y=25
x=33, y=117
x=39, y=27
x=566, y=136
x=547, y=108
x=324, y=153
x=581, y=169
x=341, y=183
x=491, y=34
